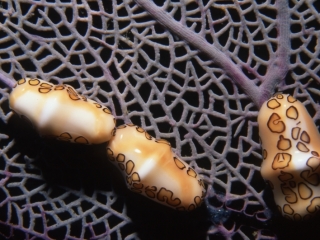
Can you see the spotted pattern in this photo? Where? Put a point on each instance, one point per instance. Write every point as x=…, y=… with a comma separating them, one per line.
x=291, y=160
x=64, y=137
x=314, y=205
x=302, y=147
x=137, y=184
x=313, y=163
x=284, y=176
x=179, y=164
x=191, y=173
x=283, y=143
x=275, y=125
x=292, y=113
x=264, y=154
x=165, y=195
x=311, y=178
x=45, y=87
x=295, y=132
x=281, y=160
x=305, y=137
x=81, y=140
x=273, y=103
x=287, y=209
x=304, y=191
x=290, y=195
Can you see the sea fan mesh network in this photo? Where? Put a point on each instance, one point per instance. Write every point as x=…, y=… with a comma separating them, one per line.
x=147, y=62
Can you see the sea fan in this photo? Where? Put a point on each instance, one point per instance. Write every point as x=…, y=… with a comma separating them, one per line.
x=192, y=72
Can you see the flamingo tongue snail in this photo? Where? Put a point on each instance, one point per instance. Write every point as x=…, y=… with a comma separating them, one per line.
x=150, y=168
x=58, y=111
x=290, y=143
x=148, y=165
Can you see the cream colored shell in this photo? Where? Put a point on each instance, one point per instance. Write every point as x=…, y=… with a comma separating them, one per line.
x=150, y=168
x=290, y=142
x=60, y=112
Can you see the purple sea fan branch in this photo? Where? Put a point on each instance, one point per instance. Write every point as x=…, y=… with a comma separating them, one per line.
x=83, y=39
x=280, y=65
x=202, y=45
x=9, y=82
